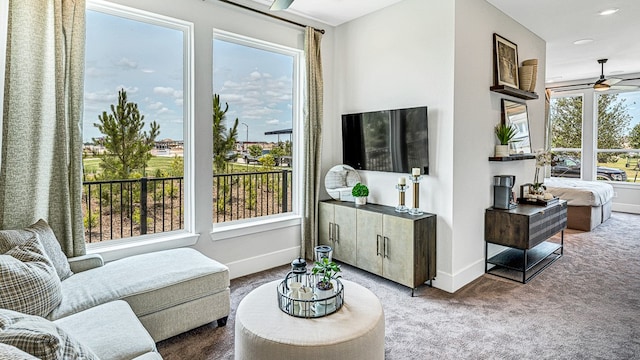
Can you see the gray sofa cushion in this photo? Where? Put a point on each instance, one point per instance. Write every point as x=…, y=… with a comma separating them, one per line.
x=162, y=280
x=28, y=281
x=40, y=337
x=12, y=238
x=8, y=352
x=111, y=331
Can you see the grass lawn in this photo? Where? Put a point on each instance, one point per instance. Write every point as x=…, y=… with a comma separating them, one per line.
x=622, y=165
x=91, y=164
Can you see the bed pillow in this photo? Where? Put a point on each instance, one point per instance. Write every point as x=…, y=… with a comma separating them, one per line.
x=28, y=280
x=40, y=337
x=12, y=238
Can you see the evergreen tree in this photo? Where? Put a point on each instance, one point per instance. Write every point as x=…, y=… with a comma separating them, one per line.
x=127, y=145
x=223, y=141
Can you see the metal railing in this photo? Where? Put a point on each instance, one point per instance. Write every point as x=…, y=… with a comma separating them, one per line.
x=115, y=209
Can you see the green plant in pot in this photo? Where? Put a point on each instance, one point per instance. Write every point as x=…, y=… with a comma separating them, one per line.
x=327, y=270
x=505, y=134
x=360, y=192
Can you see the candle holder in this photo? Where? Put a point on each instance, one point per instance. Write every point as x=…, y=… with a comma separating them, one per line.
x=401, y=208
x=416, y=195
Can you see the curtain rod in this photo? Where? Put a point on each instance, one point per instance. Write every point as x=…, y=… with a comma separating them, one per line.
x=269, y=15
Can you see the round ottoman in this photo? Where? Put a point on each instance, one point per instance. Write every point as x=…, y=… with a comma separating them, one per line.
x=263, y=331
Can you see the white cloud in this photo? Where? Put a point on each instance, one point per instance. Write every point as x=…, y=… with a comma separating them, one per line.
x=127, y=63
x=148, y=71
x=255, y=75
x=128, y=89
x=168, y=91
x=155, y=106
x=273, y=122
x=164, y=110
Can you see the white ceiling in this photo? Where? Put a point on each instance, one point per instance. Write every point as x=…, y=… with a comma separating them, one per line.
x=558, y=22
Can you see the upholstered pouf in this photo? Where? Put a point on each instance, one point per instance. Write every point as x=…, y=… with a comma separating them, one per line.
x=263, y=331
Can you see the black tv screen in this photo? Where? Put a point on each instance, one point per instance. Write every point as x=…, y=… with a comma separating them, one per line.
x=386, y=140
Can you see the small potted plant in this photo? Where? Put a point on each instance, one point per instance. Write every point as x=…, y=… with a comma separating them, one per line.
x=326, y=271
x=505, y=133
x=360, y=192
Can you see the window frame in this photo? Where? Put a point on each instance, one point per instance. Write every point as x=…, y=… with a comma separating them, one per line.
x=254, y=225
x=184, y=237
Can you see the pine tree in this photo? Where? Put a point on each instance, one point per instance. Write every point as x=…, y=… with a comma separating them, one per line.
x=223, y=141
x=127, y=145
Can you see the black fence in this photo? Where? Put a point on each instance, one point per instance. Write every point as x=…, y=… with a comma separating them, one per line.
x=116, y=209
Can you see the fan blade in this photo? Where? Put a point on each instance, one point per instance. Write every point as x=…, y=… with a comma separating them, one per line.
x=280, y=4
x=612, y=81
x=625, y=87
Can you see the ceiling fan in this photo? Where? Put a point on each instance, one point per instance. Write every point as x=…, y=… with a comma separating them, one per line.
x=280, y=4
x=602, y=84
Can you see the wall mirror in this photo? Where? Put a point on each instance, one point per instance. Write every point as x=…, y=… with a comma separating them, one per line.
x=339, y=181
x=514, y=112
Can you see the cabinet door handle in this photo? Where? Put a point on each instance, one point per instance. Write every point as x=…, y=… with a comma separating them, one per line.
x=330, y=231
x=378, y=245
x=386, y=247
x=337, y=232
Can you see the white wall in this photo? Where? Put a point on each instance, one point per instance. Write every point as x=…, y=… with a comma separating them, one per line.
x=402, y=56
x=439, y=54
x=477, y=111
x=268, y=244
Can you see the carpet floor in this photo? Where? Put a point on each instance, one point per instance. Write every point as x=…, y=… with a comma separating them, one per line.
x=586, y=305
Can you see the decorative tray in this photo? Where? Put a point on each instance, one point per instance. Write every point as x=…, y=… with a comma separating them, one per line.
x=312, y=308
x=539, y=202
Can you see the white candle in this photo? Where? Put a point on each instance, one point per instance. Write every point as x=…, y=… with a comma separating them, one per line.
x=402, y=181
x=415, y=171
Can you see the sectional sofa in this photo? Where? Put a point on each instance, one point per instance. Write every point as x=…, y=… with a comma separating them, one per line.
x=56, y=308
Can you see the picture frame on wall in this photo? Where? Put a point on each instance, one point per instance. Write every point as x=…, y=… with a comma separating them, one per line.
x=505, y=62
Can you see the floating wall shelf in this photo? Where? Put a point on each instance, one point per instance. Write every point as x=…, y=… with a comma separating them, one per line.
x=508, y=90
x=512, y=157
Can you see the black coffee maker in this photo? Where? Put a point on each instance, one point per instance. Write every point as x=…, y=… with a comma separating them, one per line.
x=503, y=192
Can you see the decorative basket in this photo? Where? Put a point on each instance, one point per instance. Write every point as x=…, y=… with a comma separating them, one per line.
x=313, y=308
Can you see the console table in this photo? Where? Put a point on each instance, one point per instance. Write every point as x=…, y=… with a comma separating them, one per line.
x=525, y=230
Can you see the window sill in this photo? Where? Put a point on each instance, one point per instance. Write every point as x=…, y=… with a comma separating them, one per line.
x=117, y=249
x=230, y=231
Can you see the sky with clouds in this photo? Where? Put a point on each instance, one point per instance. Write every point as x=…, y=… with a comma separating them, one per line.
x=257, y=84
x=143, y=59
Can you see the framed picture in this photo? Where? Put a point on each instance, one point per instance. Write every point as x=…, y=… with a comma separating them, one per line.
x=506, y=62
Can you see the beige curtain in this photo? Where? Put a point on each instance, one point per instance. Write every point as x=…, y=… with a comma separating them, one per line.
x=312, y=143
x=41, y=174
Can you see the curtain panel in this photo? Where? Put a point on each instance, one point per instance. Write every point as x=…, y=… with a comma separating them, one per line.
x=41, y=173
x=313, y=140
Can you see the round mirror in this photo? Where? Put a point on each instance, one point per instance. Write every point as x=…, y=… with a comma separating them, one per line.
x=340, y=180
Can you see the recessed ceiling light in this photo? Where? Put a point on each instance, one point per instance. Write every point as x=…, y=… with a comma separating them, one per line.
x=582, y=41
x=608, y=11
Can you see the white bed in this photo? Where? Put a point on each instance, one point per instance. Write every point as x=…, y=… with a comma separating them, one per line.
x=589, y=202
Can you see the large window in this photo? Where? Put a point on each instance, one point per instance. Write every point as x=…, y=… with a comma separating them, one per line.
x=136, y=121
x=255, y=128
x=611, y=137
x=566, y=136
x=618, y=136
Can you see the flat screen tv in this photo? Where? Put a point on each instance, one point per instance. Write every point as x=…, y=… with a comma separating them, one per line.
x=387, y=140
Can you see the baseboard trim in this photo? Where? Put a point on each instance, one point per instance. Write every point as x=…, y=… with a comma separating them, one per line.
x=452, y=283
x=262, y=262
x=626, y=208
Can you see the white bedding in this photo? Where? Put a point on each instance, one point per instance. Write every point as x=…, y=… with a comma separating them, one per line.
x=580, y=192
